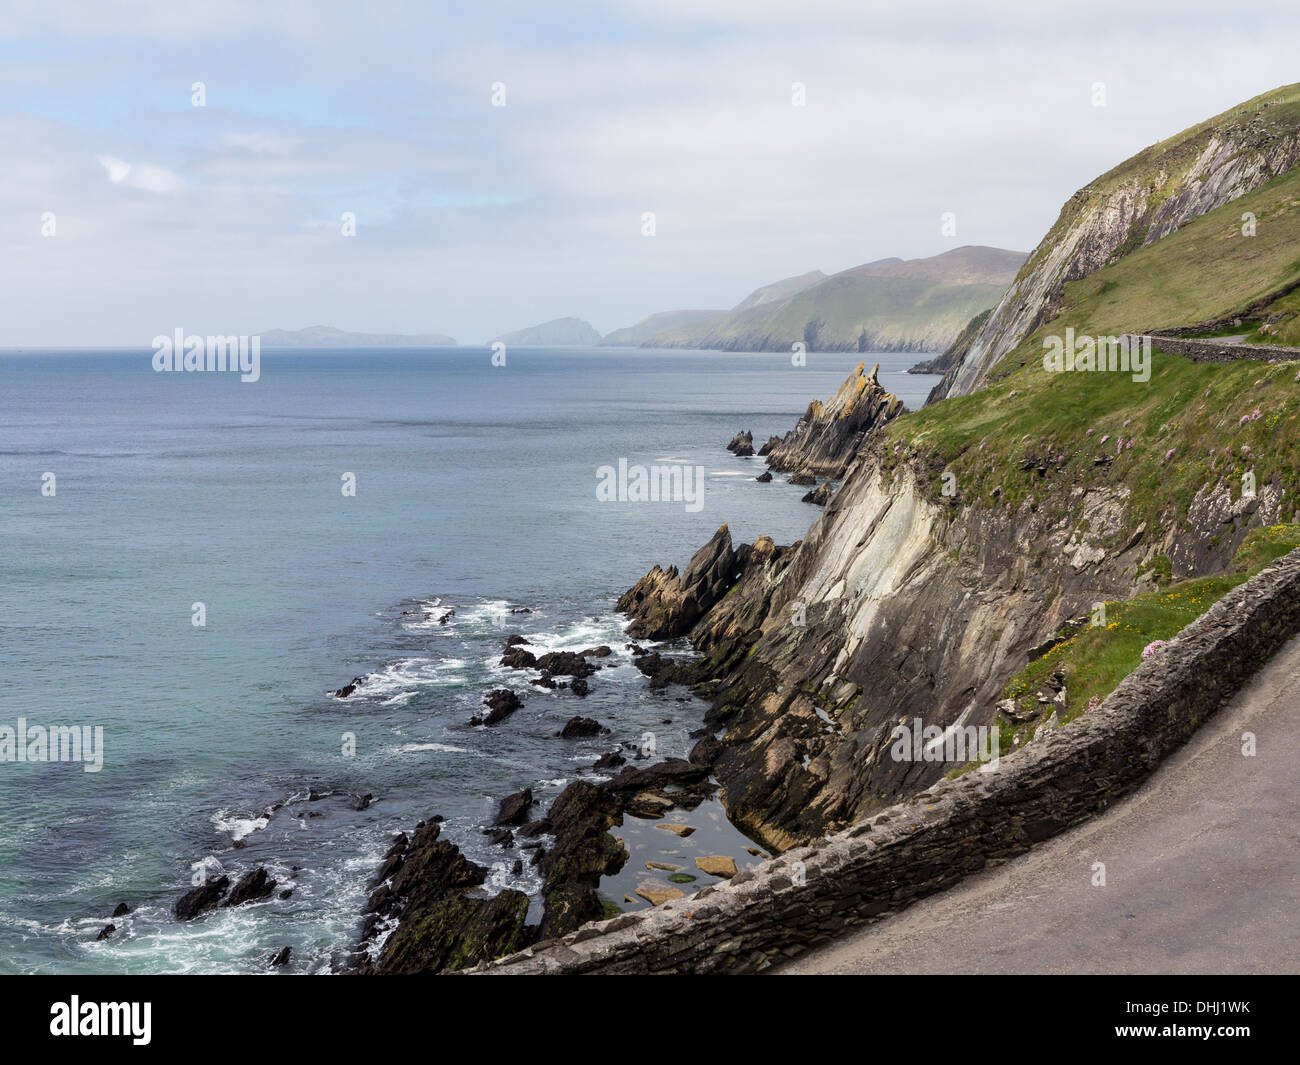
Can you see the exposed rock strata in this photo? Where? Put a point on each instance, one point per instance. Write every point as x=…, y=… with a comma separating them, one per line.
x=829, y=434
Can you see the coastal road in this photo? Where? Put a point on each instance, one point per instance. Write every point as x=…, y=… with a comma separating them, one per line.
x=1202, y=870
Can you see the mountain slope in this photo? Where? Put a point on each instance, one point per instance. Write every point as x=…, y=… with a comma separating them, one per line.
x=644, y=332
x=1139, y=202
x=890, y=305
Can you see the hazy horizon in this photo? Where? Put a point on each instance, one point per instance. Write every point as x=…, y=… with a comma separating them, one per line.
x=474, y=220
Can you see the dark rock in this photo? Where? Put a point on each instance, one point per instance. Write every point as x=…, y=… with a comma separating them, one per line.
x=282, y=958
x=821, y=495
x=200, y=899
x=765, y=477
x=579, y=687
x=802, y=479
x=501, y=703
x=609, y=761
x=122, y=910
x=577, y=727
x=742, y=444
x=535, y=828
x=502, y=837
x=514, y=808
x=565, y=664
x=105, y=932
x=253, y=886
x=347, y=689
x=513, y=640
x=766, y=449
x=517, y=658
x=455, y=933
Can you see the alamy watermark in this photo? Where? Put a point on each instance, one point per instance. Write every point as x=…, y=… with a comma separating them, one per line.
x=958, y=744
x=1121, y=354
x=194, y=354
x=57, y=743
x=651, y=484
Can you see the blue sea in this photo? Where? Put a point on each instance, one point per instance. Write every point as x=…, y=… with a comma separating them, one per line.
x=223, y=749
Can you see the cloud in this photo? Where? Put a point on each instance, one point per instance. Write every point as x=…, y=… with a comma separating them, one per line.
x=145, y=177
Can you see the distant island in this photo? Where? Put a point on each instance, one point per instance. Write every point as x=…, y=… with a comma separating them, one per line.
x=325, y=336
x=557, y=333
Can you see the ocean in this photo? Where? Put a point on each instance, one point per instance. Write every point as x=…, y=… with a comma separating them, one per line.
x=178, y=498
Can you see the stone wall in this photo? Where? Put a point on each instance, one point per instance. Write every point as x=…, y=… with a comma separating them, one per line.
x=814, y=894
x=1217, y=351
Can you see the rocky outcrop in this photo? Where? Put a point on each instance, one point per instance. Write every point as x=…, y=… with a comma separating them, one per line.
x=664, y=603
x=501, y=703
x=742, y=444
x=200, y=899
x=439, y=928
x=827, y=437
x=810, y=895
x=1136, y=204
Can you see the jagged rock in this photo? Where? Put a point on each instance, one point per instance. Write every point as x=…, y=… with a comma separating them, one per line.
x=579, y=687
x=742, y=444
x=584, y=851
x=828, y=436
x=765, y=477
x=664, y=604
x=821, y=495
x=282, y=958
x=518, y=658
x=200, y=899
x=772, y=441
x=514, y=808
x=501, y=703
x=565, y=664
x=457, y=932
x=106, y=931
x=254, y=885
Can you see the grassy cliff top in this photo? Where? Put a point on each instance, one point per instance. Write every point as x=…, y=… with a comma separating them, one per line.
x=1033, y=437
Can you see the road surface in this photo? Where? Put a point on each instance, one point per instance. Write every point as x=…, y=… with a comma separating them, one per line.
x=1202, y=871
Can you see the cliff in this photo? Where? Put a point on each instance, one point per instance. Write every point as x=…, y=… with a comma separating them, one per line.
x=1138, y=203
x=970, y=535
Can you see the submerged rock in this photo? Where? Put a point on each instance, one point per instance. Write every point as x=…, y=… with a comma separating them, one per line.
x=200, y=899
x=578, y=727
x=501, y=703
x=253, y=886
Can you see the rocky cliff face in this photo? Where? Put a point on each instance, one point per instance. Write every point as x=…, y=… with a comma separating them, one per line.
x=828, y=436
x=1136, y=204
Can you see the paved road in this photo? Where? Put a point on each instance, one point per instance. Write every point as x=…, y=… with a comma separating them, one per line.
x=1202, y=872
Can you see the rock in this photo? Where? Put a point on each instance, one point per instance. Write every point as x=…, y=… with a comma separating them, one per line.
x=828, y=436
x=282, y=958
x=513, y=640
x=681, y=878
x=577, y=727
x=603, y=651
x=821, y=495
x=286, y=893
x=200, y=899
x=501, y=703
x=565, y=664
x=122, y=910
x=742, y=444
x=717, y=865
x=656, y=894
x=518, y=658
x=500, y=837
x=766, y=449
x=253, y=886
x=664, y=604
x=664, y=866
x=609, y=761
x=535, y=828
x=518, y=868
x=105, y=932
x=584, y=851
x=677, y=830
x=765, y=477
x=514, y=808
x=802, y=479
x=347, y=689
x=648, y=804
x=579, y=687
x=457, y=932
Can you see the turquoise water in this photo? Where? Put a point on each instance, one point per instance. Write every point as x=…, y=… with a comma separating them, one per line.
x=475, y=491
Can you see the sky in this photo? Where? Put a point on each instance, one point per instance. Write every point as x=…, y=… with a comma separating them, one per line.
x=126, y=211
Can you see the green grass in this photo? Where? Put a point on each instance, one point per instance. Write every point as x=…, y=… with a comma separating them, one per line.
x=1098, y=657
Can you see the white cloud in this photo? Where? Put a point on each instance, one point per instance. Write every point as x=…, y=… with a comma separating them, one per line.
x=145, y=177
